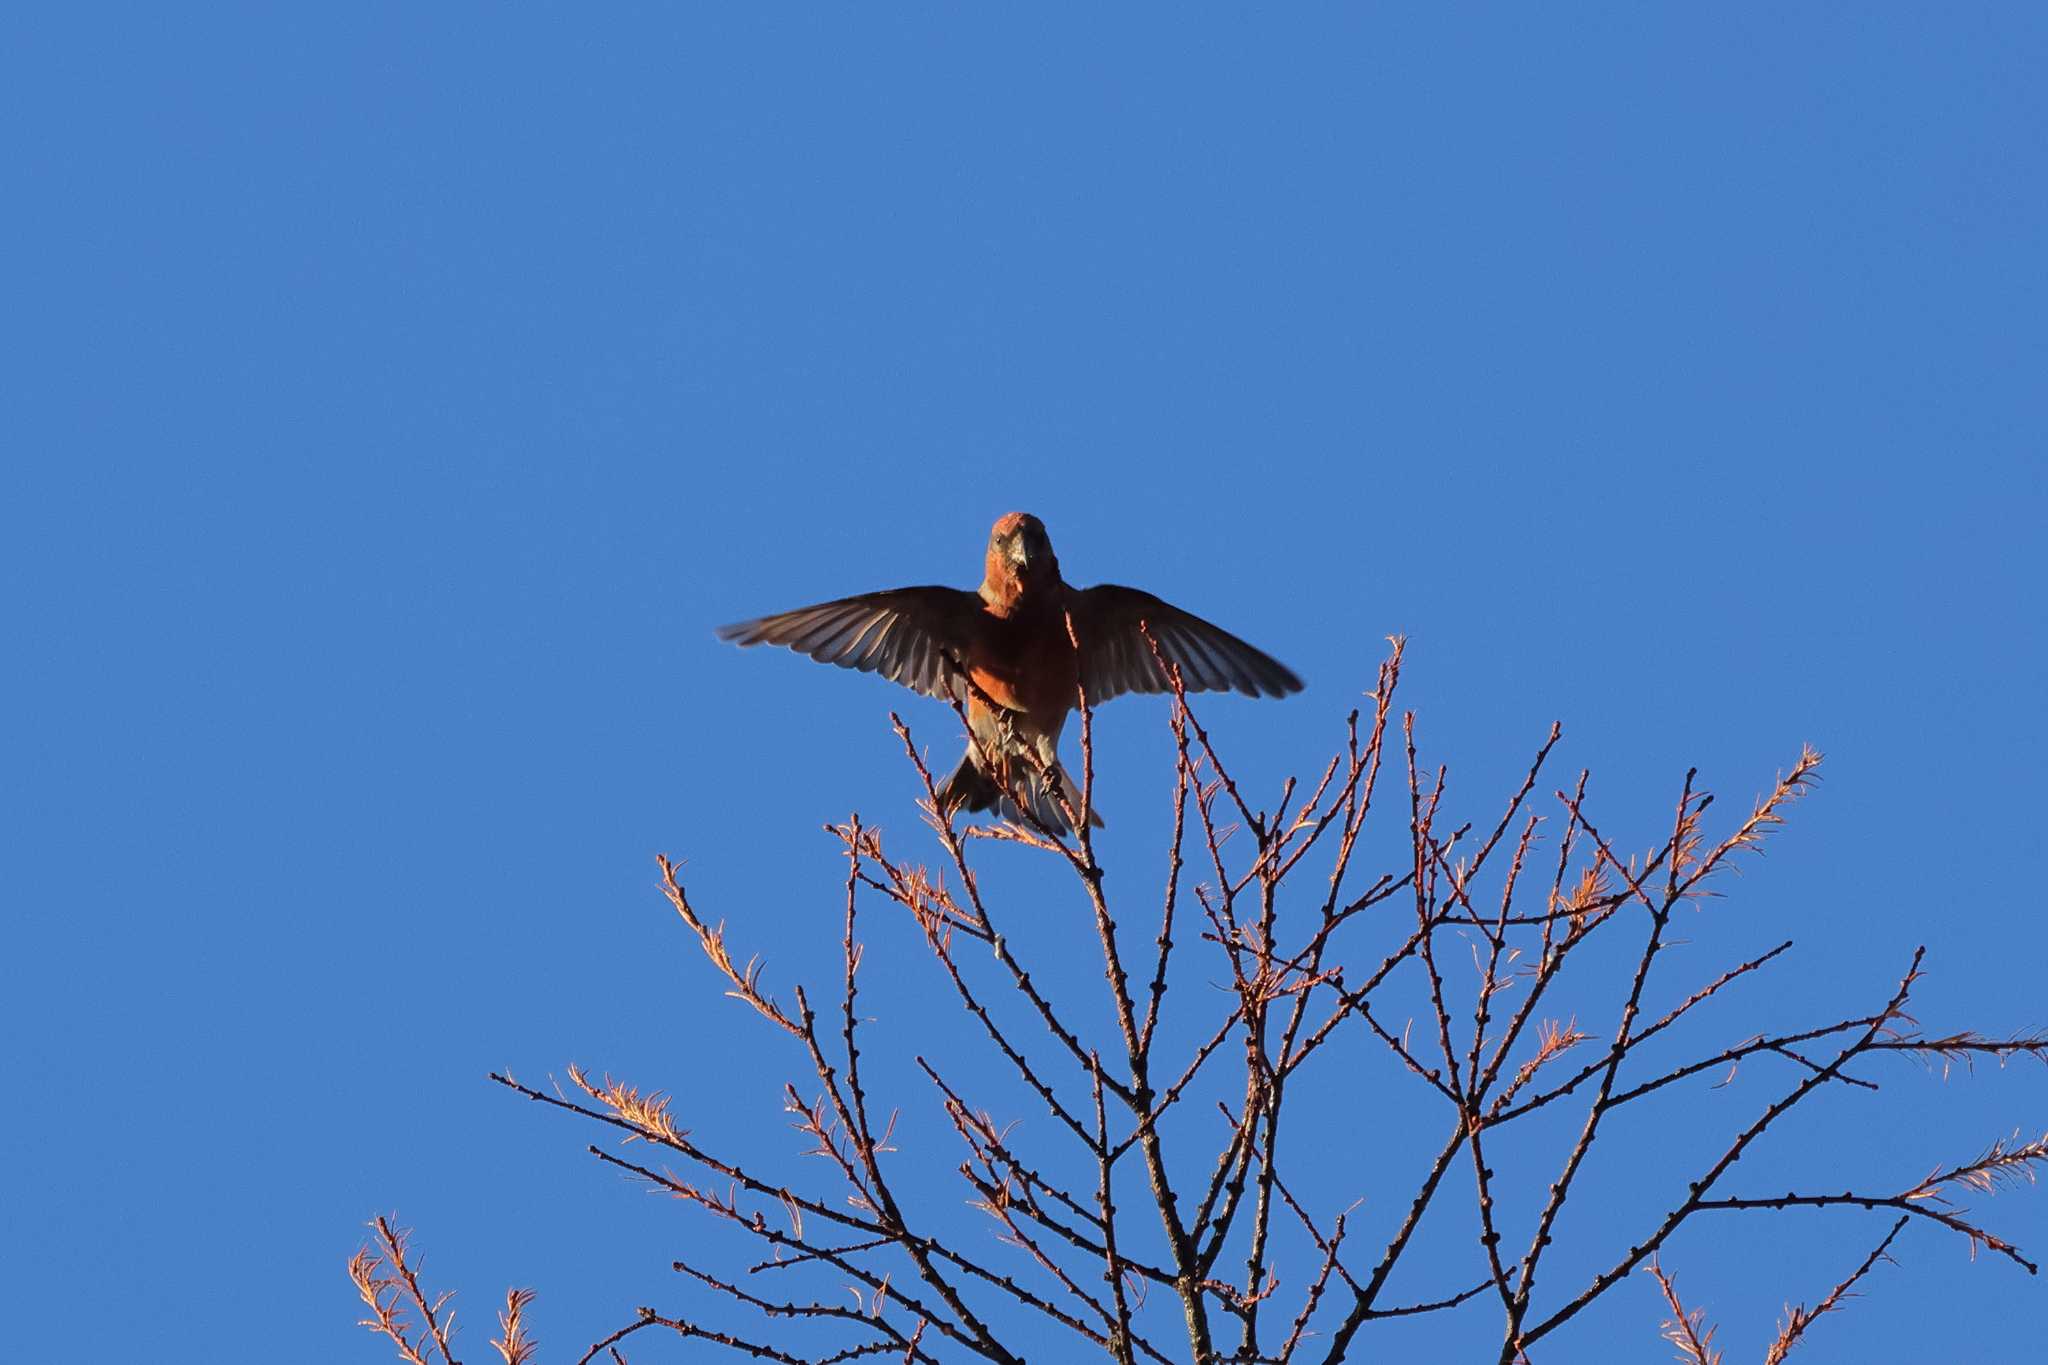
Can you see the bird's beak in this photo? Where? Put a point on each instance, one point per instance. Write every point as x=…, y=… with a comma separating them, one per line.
x=1020, y=554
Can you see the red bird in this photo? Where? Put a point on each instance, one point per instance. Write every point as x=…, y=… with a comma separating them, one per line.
x=1005, y=652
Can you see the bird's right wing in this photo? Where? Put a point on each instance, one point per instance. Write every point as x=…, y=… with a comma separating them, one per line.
x=914, y=636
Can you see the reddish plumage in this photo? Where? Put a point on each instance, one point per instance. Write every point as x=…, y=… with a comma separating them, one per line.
x=1010, y=640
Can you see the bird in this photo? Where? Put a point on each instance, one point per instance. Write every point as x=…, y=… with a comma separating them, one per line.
x=1004, y=652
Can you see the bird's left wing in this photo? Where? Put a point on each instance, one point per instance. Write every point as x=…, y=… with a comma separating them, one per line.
x=914, y=636
x=1115, y=658
x=1115, y=655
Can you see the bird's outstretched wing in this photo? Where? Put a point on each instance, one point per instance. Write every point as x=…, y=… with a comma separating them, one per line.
x=1115, y=658
x=913, y=636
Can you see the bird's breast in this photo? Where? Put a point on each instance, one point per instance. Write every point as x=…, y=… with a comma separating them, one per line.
x=1028, y=666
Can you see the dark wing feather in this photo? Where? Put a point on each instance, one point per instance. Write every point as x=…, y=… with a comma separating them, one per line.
x=911, y=636
x=1115, y=658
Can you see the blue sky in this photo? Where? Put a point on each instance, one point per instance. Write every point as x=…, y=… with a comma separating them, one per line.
x=397, y=398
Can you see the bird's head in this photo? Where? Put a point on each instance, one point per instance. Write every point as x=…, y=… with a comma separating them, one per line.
x=1020, y=554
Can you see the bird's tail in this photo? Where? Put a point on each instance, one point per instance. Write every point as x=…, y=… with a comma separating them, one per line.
x=970, y=788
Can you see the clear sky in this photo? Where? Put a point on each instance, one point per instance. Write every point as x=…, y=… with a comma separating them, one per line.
x=396, y=398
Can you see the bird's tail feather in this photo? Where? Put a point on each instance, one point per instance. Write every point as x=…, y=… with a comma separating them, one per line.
x=970, y=788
